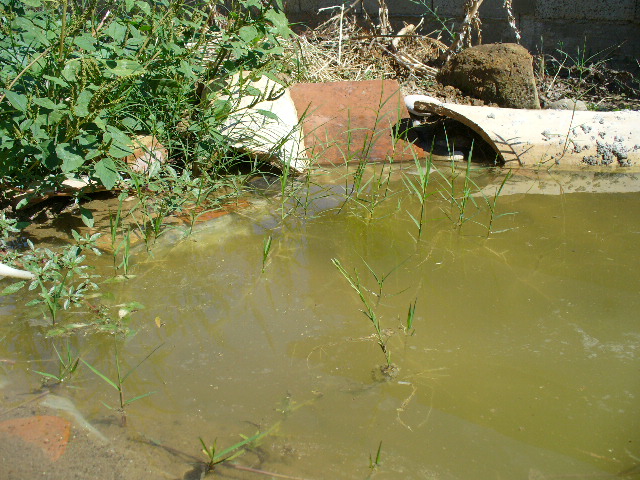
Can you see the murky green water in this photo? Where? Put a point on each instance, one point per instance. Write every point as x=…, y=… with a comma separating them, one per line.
x=524, y=363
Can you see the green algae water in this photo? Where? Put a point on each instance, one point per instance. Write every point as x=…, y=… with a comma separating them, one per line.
x=523, y=361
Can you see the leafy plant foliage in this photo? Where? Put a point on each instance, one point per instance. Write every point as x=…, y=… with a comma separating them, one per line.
x=80, y=79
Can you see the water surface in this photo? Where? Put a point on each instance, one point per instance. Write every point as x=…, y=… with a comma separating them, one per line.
x=523, y=363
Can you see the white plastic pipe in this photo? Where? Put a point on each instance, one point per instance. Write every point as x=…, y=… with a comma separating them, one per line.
x=7, y=271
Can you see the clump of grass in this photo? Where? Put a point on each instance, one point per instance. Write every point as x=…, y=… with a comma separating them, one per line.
x=458, y=199
x=492, y=203
x=67, y=366
x=215, y=457
x=420, y=189
x=368, y=311
x=119, y=380
x=381, y=278
x=120, y=235
x=408, y=327
x=374, y=462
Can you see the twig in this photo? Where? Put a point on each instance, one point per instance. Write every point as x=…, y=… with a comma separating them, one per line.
x=390, y=35
x=106, y=15
x=346, y=10
x=512, y=20
x=340, y=36
x=412, y=64
x=471, y=14
x=383, y=18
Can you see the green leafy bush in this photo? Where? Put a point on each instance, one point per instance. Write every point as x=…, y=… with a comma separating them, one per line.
x=79, y=79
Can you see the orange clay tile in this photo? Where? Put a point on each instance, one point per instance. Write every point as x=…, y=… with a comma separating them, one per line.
x=50, y=434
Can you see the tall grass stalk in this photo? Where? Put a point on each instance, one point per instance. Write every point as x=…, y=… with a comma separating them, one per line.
x=374, y=462
x=381, y=278
x=118, y=382
x=120, y=236
x=369, y=312
x=459, y=199
x=266, y=248
x=421, y=190
x=410, y=317
x=369, y=192
x=492, y=203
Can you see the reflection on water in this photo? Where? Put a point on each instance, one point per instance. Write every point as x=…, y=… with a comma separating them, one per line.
x=523, y=365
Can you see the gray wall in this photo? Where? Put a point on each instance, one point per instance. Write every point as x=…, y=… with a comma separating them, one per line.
x=610, y=25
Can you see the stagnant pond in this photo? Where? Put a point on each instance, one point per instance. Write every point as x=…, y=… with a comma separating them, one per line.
x=522, y=362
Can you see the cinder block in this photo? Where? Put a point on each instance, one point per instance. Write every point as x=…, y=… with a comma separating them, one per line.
x=492, y=9
x=499, y=31
x=397, y=7
x=599, y=39
x=449, y=9
x=598, y=10
x=301, y=6
x=488, y=9
x=524, y=7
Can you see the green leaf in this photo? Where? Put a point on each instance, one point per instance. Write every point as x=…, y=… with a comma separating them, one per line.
x=131, y=400
x=117, y=31
x=107, y=172
x=13, y=288
x=71, y=161
x=248, y=33
x=144, y=6
x=118, y=136
x=123, y=68
x=56, y=80
x=81, y=108
x=18, y=100
x=101, y=375
x=267, y=114
x=86, y=42
x=253, y=91
x=100, y=122
x=46, y=103
x=87, y=217
x=45, y=374
x=121, y=144
x=118, y=151
x=70, y=71
x=279, y=20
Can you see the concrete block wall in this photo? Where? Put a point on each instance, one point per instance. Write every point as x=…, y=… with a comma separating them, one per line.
x=608, y=26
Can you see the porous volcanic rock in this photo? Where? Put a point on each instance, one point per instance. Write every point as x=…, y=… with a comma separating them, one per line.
x=499, y=73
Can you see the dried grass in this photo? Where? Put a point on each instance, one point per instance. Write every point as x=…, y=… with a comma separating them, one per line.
x=343, y=49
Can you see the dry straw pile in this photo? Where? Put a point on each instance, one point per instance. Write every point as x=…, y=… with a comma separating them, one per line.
x=351, y=47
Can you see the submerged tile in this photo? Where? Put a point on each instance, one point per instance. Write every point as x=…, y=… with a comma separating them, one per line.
x=47, y=432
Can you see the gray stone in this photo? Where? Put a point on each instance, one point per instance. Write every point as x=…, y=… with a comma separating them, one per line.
x=585, y=9
x=567, y=104
x=496, y=73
